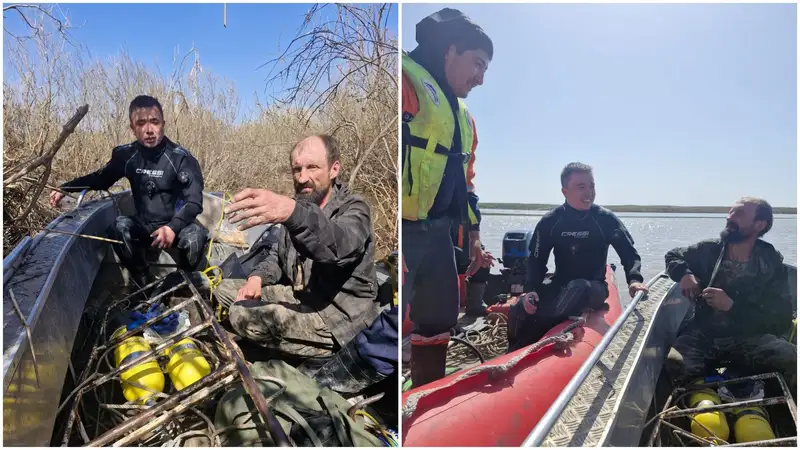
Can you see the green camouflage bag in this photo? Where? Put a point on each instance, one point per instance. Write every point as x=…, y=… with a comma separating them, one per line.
x=310, y=416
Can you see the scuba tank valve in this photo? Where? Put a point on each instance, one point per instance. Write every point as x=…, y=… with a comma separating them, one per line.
x=714, y=421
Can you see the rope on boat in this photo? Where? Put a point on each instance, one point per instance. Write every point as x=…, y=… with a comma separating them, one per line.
x=495, y=370
x=489, y=343
x=215, y=280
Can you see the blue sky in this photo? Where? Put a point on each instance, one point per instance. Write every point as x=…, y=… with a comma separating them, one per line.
x=152, y=32
x=671, y=104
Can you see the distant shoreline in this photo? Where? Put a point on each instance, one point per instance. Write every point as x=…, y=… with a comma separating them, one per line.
x=634, y=208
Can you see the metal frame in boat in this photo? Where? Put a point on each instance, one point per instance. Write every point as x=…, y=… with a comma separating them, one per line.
x=607, y=401
x=229, y=368
x=51, y=276
x=663, y=418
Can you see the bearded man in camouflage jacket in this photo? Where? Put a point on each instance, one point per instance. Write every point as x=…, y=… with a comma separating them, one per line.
x=742, y=313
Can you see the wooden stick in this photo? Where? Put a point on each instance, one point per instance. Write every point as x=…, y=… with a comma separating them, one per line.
x=68, y=129
x=53, y=188
x=87, y=236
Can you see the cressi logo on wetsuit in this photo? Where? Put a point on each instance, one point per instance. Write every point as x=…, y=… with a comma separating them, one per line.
x=160, y=178
x=580, y=241
x=575, y=234
x=150, y=173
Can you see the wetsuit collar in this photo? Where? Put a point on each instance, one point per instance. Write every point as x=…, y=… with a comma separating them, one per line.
x=155, y=150
x=569, y=209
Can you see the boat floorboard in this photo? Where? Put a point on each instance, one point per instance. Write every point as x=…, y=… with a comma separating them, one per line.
x=591, y=409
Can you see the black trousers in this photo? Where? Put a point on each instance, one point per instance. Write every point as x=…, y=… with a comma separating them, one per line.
x=135, y=235
x=556, y=304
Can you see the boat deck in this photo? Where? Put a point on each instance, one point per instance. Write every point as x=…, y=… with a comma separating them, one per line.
x=594, y=407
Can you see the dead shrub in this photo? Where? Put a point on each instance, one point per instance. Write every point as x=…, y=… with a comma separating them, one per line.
x=49, y=78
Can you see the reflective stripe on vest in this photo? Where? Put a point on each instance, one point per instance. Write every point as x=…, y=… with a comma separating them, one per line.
x=430, y=138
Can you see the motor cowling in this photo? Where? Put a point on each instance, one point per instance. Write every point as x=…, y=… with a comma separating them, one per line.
x=516, y=249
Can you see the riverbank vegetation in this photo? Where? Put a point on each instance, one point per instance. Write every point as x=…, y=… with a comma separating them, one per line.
x=338, y=75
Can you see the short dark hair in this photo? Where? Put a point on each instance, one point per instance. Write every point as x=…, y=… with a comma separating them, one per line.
x=476, y=40
x=763, y=212
x=331, y=147
x=450, y=26
x=144, y=101
x=573, y=167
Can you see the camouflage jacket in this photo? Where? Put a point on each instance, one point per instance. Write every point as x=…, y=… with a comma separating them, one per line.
x=760, y=292
x=328, y=255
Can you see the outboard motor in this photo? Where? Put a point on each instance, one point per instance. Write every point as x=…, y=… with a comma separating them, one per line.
x=516, y=249
x=516, y=245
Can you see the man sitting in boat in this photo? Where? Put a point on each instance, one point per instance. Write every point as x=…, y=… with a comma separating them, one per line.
x=312, y=286
x=742, y=299
x=162, y=175
x=579, y=233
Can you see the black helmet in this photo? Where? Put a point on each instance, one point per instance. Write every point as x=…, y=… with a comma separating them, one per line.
x=450, y=26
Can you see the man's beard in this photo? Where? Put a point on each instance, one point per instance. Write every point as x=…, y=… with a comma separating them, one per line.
x=732, y=234
x=316, y=195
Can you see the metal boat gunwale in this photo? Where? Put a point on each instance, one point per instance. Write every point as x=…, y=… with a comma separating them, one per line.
x=557, y=408
x=650, y=338
x=13, y=261
x=55, y=282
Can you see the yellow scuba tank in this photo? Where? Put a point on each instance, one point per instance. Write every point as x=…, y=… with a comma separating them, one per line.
x=186, y=364
x=147, y=373
x=715, y=421
x=751, y=424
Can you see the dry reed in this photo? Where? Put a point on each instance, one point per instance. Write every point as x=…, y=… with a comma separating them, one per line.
x=343, y=68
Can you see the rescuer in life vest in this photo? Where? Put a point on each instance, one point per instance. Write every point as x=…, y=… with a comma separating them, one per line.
x=438, y=155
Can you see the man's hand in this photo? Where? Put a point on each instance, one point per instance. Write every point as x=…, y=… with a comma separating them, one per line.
x=717, y=299
x=250, y=290
x=488, y=260
x=636, y=287
x=259, y=206
x=164, y=237
x=690, y=288
x=55, y=198
x=478, y=257
x=529, y=301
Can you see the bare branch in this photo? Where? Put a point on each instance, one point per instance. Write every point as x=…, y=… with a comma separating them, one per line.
x=356, y=39
x=362, y=158
x=343, y=88
x=62, y=25
x=47, y=158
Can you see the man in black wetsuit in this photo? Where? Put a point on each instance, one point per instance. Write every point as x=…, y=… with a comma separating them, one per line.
x=579, y=233
x=161, y=174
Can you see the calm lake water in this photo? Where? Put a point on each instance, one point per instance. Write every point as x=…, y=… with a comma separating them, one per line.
x=654, y=235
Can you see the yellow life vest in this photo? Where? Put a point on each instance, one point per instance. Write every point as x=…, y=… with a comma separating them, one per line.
x=431, y=137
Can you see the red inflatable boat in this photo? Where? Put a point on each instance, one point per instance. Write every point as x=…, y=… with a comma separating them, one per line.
x=499, y=402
